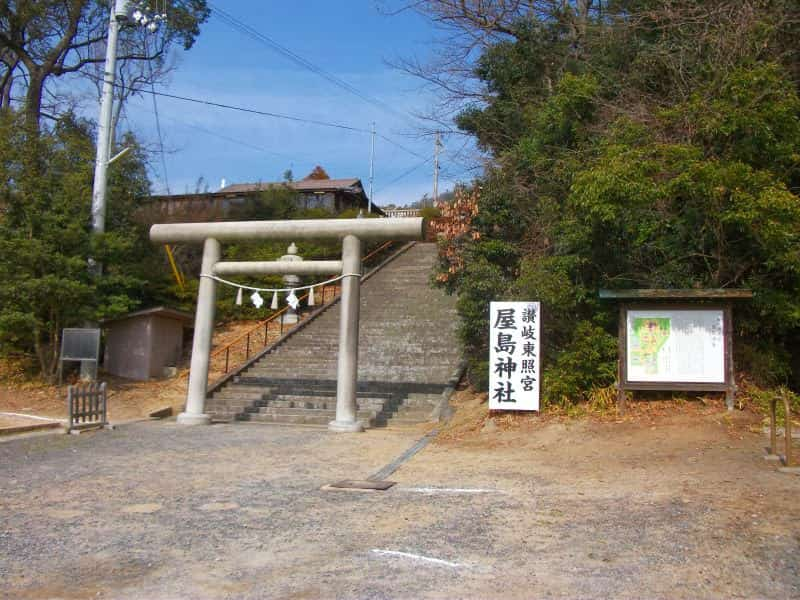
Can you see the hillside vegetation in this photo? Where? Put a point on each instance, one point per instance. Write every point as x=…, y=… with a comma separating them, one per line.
x=633, y=144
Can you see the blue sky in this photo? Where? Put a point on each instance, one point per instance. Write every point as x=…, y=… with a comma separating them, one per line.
x=351, y=40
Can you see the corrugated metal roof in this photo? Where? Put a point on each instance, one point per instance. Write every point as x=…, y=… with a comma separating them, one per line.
x=160, y=311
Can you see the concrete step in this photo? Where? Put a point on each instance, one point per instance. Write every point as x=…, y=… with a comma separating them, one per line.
x=237, y=389
x=284, y=372
x=234, y=407
x=303, y=391
x=322, y=402
x=405, y=341
x=330, y=413
x=227, y=395
x=301, y=419
x=406, y=344
x=290, y=419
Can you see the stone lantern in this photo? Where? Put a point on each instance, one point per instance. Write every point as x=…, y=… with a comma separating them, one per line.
x=290, y=316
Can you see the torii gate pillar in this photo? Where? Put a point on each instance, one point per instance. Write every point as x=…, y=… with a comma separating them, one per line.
x=352, y=232
x=347, y=379
x=201, y=341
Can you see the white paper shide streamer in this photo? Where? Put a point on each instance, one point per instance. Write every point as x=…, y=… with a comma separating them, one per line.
x=291, y=298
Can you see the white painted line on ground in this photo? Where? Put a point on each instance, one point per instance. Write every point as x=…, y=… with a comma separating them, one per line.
x=435, y=490
x=51, y=419
x=435, y=561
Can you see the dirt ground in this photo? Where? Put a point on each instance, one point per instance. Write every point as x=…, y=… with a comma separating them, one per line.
x=673, y=501
x=127, y=399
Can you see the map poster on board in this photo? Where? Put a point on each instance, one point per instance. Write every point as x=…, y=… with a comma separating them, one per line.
x=680, y=346
x=514, y=345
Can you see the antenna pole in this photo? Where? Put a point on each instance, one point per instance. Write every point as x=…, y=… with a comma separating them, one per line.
x=437, y=144
x=371, y=168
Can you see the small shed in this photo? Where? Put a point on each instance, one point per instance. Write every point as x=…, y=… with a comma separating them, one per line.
x=140, y=344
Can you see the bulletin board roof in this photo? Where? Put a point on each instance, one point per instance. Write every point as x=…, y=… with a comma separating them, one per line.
x=676, y=294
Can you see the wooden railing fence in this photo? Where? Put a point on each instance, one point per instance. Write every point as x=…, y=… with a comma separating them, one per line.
x=86, y=405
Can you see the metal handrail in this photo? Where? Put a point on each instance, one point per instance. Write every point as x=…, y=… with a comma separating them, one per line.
x=246, y=336
x=787, y=428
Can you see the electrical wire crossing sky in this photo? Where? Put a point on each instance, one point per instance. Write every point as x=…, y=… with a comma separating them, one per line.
x=267, y=88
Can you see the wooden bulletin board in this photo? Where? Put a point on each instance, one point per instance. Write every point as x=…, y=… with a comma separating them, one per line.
x=676, y=340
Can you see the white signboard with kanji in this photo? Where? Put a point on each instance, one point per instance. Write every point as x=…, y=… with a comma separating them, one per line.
x=514, y=342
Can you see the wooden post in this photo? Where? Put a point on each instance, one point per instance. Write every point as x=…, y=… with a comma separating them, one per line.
x=104, y=391
x=621, y=356
x=773, y=427
x=69, y=405
x=787, y=428
x=730, y=393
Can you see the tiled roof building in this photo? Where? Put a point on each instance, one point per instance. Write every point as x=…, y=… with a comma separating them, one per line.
x=336, y=195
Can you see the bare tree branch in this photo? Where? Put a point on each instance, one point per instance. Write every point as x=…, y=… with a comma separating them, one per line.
x=55, y=38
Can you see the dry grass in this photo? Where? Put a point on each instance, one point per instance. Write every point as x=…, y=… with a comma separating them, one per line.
x=127, y=399
x=472, y=414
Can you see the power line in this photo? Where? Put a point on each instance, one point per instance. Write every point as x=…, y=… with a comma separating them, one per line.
x=243, y=143
x=158, y=120
x=253, y=111
x=391, y=141
x=299, y=60
x=258, y=112
x=266, y=114
x=405, y=174
x=237, y=141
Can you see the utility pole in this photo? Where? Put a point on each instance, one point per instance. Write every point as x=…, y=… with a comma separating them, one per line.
x=371, y=168
x=437, y=144
x=119, y=14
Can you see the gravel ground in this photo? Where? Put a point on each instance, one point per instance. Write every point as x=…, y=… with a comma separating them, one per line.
x=154, y=510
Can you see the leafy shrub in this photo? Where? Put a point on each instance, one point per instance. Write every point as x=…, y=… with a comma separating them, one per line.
x=430, y=212
x=588, y=361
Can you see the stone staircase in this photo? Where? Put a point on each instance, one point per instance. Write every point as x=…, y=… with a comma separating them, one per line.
x=408, y=354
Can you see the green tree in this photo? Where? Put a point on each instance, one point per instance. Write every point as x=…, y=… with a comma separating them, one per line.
x=41, y=40
x=45, y=238
x=646, y=146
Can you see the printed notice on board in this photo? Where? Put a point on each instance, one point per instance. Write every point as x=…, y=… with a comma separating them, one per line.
x=685, y=346
x=514, y=342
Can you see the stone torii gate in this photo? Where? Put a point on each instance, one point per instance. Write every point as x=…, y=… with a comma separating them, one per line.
x=352, y=232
